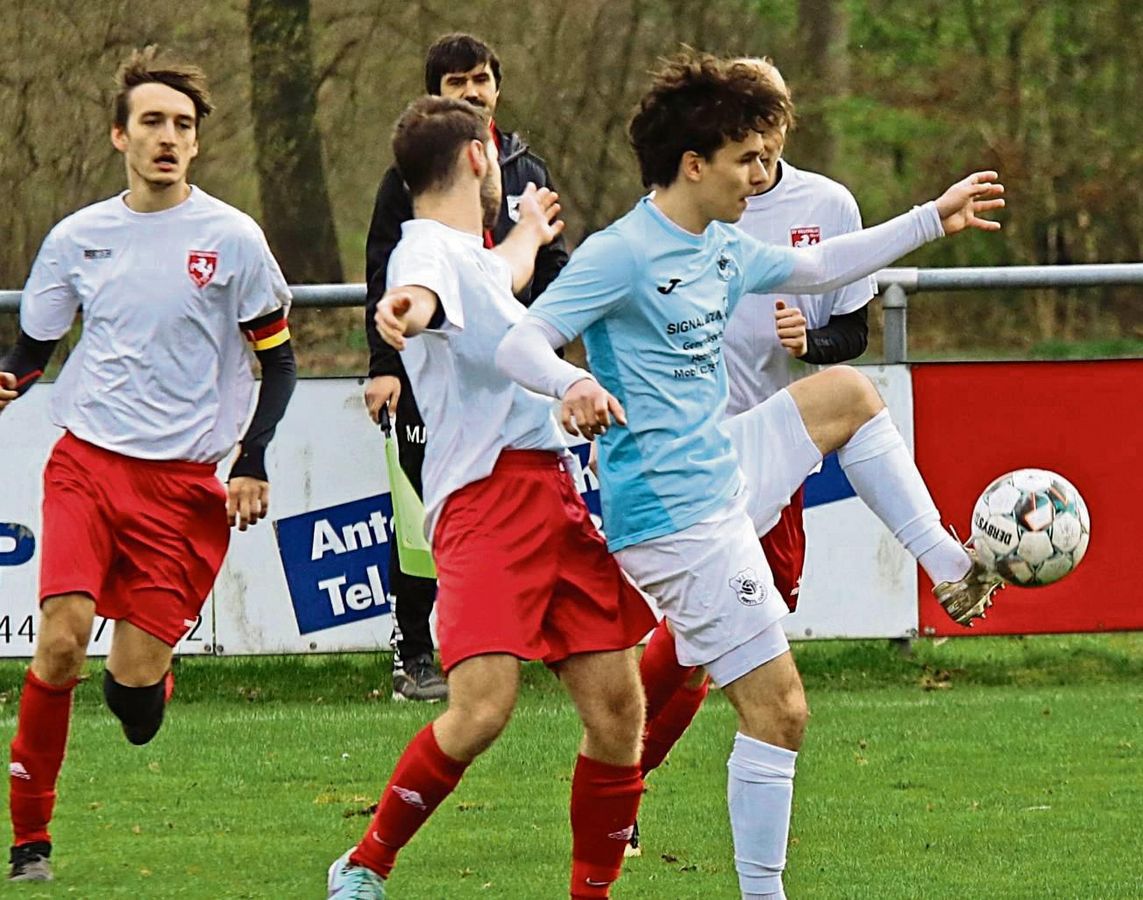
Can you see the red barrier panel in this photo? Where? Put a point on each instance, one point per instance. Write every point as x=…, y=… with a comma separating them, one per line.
x=975, y=421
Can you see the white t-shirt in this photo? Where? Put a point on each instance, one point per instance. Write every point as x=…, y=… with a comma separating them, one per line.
x=162, y=370
x=803, y=208
x=471, y=411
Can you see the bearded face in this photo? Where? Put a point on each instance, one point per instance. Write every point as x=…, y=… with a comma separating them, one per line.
x=490, y=190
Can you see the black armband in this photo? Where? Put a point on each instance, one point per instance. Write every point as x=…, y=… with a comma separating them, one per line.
x=279, y=375
x=27, y=360
x=843, y=337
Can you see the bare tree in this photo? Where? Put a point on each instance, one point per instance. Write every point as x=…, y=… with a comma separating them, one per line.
x=296, y=212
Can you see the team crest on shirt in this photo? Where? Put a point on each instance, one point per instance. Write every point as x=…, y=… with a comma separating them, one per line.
x=201, y=266
x=805, y=236
x=726, y=267
x=749, y=590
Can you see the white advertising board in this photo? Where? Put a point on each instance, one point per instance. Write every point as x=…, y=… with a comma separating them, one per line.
x=314, y=577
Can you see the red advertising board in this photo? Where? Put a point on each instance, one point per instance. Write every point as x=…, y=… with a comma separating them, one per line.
x=975, y=421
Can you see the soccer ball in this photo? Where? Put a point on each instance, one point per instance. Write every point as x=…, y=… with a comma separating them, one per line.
x=1031, y=526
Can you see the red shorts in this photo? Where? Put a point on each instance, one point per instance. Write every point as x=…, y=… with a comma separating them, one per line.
x=785, y=549
x=521, y=569
x=144, y=538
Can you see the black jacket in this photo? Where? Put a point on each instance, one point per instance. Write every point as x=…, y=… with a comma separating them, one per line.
x=393, y=206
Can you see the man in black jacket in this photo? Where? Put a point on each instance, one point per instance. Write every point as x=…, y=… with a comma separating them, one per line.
x=463, y=67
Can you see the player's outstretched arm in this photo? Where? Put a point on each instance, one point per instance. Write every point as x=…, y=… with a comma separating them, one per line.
x=538, y=225
x=845, y=258
x=405, y=312
x=961, y=205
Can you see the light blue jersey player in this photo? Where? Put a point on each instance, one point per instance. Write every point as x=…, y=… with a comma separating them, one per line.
x=685, y=494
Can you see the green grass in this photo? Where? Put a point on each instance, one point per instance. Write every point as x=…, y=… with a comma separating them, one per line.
x=980, y=767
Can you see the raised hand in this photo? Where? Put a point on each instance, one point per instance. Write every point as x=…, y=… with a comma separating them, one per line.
x=539, y=208
x=959, y=207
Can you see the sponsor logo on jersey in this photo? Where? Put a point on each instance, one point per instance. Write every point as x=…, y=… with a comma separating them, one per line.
x=97, y=254
x=411, y=797
x=746, y=586
x=805, y=236
x=674, y=283
x=17, y=770
x=201, y=266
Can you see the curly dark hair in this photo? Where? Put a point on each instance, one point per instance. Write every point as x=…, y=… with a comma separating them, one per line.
x=145, y=67
x=699, y=102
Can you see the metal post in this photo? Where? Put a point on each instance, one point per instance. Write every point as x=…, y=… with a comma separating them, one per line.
x=895, y=302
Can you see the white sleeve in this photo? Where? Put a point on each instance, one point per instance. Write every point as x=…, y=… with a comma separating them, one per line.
x=261, y=285
x=527, y=356
x=49, y=303
x=847, y=257
x=427, y=264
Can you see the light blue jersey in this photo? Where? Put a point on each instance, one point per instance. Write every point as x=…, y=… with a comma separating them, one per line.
x=651, y=301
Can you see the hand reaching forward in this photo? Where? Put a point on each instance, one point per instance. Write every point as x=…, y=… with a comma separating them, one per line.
x=959, y=207
x=538, y=210
x=791, y=325
x=587, y=409
x=391, y=318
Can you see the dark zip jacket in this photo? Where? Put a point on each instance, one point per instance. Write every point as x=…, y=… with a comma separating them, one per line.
x=393, y=206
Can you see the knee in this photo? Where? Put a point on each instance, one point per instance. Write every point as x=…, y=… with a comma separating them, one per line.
x=793, y=715
x=481, y=722
x=855, y=391
x=60, y=654
x=615, y=719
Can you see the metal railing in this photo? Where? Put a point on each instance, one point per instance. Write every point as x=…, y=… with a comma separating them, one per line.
x=895, y=286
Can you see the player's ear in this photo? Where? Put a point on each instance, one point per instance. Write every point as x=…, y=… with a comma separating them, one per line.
x=691, y=166
x=119, y=138
x=476, y=155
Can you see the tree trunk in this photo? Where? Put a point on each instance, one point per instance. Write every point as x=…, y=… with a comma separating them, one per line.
x=296, y=212
x=823, y=39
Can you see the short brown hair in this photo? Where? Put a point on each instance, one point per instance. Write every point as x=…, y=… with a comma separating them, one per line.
x=698, y=102
x=428, y=137
x=145, y=67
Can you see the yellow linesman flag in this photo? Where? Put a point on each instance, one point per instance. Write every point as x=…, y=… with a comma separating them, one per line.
x=413, y=550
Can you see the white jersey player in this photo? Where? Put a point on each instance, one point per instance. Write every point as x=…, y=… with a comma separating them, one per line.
x=174, y=286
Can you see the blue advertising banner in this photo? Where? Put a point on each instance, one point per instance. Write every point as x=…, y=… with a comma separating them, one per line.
x=17, y=544
x=336, y=562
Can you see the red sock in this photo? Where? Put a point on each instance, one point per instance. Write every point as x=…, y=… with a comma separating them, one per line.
x=664, y=731
x=37, y=754
x=659, y=670
x=424, y=776
x=604, y=801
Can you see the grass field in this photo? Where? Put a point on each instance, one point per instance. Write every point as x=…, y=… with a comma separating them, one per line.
x=987, y=767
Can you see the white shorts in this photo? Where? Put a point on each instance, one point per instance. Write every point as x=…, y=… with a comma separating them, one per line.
x=775, y=453
x=713, y=585
x=711, y=580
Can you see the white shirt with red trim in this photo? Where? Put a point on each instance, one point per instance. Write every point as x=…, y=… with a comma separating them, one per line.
x=471, y=411
x=802, y=209
x=162, y=369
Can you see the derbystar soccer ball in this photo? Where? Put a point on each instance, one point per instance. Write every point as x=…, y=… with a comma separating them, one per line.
x=1031, y=526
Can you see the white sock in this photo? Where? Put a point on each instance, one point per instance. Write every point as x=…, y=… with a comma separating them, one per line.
x=878, y=465
x=760, y=794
